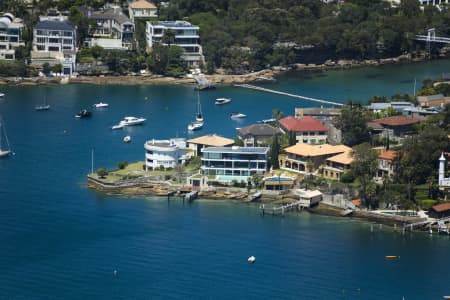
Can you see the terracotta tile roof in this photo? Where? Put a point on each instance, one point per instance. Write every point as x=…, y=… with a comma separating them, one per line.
x=397, y=121
x=142, y=4
x=441, y=207
x=316, y=150
x=388, y=155
x=212, y=140
x=303, y=124
x=356, y=202
x=345, y=158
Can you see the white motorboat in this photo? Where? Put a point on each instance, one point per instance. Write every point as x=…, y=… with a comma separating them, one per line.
x=7, y=151
x=127, y=139
x=251, y=259
x=101, y=105
x=220, y=101
x=237, y=115
x=2, y=95
x=265, y=121
x=129, y=121
x=195, y=126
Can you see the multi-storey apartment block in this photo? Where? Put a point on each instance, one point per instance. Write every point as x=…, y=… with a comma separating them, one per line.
x=10, y=30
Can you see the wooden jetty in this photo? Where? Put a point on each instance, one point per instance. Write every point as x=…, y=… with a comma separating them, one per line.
x=441, y=225
x=282, y=209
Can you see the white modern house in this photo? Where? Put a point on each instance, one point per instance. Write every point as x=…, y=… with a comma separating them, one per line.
x=10, y=30
x=234, y=163
x=114, y=29
x=186, y=37
x=142, y=9
x=54, y=42
x=166, y=153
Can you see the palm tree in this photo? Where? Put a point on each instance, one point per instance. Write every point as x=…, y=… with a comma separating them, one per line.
x=168, y=37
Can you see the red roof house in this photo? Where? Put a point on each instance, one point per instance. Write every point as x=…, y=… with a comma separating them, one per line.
x=308, y=129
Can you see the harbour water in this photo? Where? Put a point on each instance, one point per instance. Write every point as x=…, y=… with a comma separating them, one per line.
x=60, y=240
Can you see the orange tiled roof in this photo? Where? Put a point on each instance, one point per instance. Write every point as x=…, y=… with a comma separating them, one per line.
x=388, y=155
x=142, y=4
x=441, y=207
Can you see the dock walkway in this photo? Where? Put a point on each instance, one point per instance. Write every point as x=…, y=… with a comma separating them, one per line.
x=441, y=223
x=258, y=88
x=281, y=210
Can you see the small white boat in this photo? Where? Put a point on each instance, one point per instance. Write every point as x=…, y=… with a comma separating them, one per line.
x=195, y=126
x=127, y=139
x=2, y=95
x=42, y=107
x=220, y=101
x=129, y=121
x=265, y=121
x=101, y=105
x=251, y=259
x=237, y=115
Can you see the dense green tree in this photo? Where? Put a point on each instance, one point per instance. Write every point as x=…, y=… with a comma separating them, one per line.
x=274, y=153
x=364, y=168
x=353, y=123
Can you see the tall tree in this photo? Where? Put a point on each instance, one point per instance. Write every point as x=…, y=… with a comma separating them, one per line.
x=353, y=123
x=364, y=167
x=274, y=153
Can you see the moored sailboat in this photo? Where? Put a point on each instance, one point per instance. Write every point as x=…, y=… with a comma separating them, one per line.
x=4, y=151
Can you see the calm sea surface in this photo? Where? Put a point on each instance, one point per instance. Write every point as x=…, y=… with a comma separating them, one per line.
x=60, y=240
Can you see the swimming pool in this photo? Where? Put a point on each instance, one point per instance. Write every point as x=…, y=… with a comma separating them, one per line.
x=229, y=178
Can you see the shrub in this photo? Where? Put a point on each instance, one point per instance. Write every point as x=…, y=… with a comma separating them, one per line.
x=122, y=165
x=101, y=172
x=161, y=168
x=347, y=177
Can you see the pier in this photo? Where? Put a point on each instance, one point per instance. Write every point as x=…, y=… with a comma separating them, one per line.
x=258, y=88
x=441, y=224
x=281, y=210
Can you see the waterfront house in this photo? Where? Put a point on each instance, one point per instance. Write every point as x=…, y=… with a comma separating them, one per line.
x=186, y=37
x=305, y=158
x=308, y=130
x=386, y=165
x=279, y=182
x=395, y=127
x=258, y=134
x=437, y=100
x=113, y=30
x=195, y=145
x=142, y=9
x=10, y=36
x=164, y=153
x=54, y=42
x=309, y=198
x=234, y=163
x=337, y=165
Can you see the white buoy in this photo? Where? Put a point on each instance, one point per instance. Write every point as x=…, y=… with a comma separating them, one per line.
x=251, y=259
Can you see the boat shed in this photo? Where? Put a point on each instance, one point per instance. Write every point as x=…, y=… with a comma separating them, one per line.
x=309, y=198
x=440, y=210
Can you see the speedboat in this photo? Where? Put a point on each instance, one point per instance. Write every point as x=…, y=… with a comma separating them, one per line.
x=129, y=121
x=251, y=259
x=100, y=105
x=265, y=121
x=84, y=113
x=237, y=115
x=127, y=139
x=220, y=101
x=2, y=95
x=195, y=126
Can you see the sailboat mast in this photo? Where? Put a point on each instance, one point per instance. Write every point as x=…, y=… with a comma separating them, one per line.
x=92, y=161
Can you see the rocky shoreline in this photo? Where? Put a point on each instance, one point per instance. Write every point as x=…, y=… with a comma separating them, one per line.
x=241, y=195
x=266, y=75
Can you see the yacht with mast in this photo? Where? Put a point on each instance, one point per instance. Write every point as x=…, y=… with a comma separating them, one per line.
x=43, y=106
x=7, y=150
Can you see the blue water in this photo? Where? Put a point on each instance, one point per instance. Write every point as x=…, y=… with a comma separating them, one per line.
x=60, y=240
